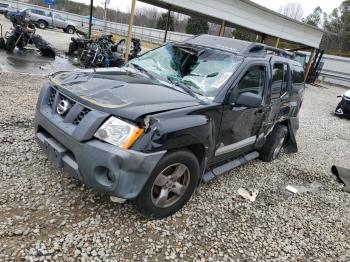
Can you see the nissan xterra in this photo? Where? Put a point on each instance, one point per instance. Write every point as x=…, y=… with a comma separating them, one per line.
x=176, y=116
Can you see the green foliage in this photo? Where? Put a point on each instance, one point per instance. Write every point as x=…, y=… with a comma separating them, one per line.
x=161, y=23
x=337, y=26
x=196, y=26
x=314, y=18
x=243, y=34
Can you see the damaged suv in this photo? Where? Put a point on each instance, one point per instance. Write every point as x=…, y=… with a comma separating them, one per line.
x=178, y=115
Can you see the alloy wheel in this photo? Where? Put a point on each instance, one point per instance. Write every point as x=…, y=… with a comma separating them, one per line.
x=170, y=185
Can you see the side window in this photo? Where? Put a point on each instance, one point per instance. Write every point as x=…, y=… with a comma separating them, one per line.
x=253, y=81
x=285, y=79
x=279, y=80
x=298, y=75
x=58, y=16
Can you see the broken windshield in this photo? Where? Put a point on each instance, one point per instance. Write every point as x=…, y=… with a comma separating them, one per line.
x=202, y=69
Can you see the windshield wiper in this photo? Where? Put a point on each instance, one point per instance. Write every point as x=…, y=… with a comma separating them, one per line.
x=143, y=70
x=184, y=86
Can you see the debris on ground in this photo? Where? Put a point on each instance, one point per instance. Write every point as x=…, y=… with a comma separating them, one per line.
x=246, y=195
x=343, y=108
x=343, y=176
x=312, y=187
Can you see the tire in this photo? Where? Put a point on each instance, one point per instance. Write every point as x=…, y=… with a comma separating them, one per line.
x=2, y=43
x=48, y=52
x=73, y=46
x=274, y=143
x=42, y=24
x=163, y=181
x=10, y=43
x=70, y=30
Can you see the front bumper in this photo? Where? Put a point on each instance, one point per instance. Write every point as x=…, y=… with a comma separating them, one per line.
x=104, y=167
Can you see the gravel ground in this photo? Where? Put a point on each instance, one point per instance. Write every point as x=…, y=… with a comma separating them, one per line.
x=45, y=215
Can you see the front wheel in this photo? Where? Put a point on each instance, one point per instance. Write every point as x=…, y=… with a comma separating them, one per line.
x=274, y=143
x=10, y=43
x=170, y=186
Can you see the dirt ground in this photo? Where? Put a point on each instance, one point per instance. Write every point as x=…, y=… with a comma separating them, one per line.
x=45, y=215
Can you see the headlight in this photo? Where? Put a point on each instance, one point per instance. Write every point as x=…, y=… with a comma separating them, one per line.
x=118, y=132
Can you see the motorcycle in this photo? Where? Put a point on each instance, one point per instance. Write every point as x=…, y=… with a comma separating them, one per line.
x=24, y=33
x=343, y=108
x=102, y=52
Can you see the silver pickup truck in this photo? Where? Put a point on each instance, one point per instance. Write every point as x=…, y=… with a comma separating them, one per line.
x=44, y=20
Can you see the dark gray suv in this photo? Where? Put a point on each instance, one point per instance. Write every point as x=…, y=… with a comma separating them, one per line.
x=180, y=114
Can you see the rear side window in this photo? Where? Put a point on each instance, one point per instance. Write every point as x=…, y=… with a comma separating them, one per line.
x=38, y=12
x=279, y=84
x=298, y=75
x=4, y=5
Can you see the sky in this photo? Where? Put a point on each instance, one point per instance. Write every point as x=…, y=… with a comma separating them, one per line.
x=308, y=5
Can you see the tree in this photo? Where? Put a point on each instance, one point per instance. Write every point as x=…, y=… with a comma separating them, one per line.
x=293, y=10
x=161, y=24
x=314, y=18
x=196, y=26
x=243, y=34
x=337, y=27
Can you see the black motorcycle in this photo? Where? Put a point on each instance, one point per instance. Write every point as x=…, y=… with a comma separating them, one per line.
x=102, y=52
x=24, y=33
x=343, y=108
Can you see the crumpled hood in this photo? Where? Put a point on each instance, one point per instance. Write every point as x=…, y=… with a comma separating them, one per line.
x=120, y=92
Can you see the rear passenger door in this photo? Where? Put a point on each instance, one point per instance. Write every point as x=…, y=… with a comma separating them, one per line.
x=279, y=92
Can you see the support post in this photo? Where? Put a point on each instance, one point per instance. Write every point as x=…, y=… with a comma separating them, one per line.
x=131, y=22
x=277, y=42
x=90, y=18
x=222, y=28
x=167, y=24
x=263, y=37
x=105, y=16
x=309, y=63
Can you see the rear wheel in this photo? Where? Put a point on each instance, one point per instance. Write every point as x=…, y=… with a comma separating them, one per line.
x=42, y=24
x=170, y=186
x=274, y=143
x=70, y=30
x=48, y=52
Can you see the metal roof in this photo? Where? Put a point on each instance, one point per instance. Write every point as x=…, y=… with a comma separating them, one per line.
x=246, y=14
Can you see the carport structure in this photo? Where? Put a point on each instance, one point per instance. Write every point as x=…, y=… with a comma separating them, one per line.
x=245, y=14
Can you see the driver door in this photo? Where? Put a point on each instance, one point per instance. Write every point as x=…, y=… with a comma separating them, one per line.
x=241, y=123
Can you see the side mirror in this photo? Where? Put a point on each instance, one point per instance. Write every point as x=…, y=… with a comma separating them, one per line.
x=249, y=99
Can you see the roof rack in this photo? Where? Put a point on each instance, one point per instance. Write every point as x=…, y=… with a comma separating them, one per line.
x=262, y=49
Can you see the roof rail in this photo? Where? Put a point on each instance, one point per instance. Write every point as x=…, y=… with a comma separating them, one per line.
x=261, y=49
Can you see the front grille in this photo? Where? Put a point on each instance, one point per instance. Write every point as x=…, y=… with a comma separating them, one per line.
x=52, y=97
x=77, y=117
x=80, y=116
